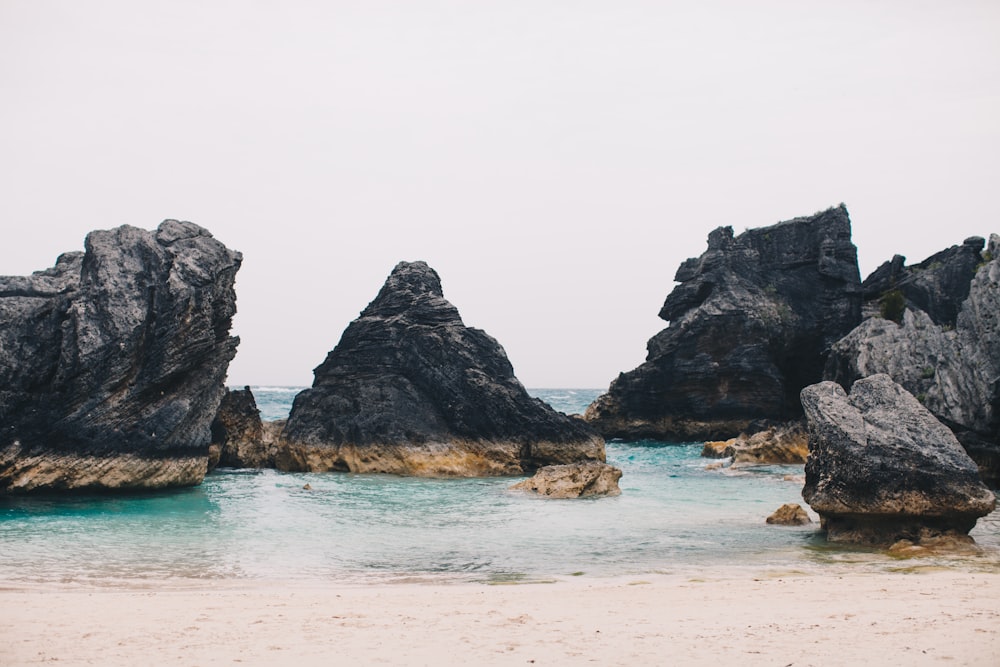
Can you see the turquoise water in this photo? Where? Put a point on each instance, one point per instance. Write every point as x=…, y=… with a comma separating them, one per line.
x=673, y=516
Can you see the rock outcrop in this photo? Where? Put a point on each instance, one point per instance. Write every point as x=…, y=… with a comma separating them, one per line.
x=112, y=363
x=789, y=514
x=409, y=389
x=239, y=438
x=881, y=468
x=788, y=444
x=573, y=480
x=952, y=366
x=751, y=324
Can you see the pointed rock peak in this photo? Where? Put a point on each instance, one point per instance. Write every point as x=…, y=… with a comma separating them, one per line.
x=413, y=289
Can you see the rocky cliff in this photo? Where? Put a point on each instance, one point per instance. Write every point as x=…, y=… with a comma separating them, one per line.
x=410, y=389
x=112, y=362
x=750, y=325
x=882, y=468
x=951, y=363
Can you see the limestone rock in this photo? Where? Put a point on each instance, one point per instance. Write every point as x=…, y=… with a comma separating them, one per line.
x=787, y=444
x=112, y=362
x=574, y=480
x=789, y=514
x=954, y=371
x=409, y=389
x=240, y=435
x=750, y=325
x=881, y=468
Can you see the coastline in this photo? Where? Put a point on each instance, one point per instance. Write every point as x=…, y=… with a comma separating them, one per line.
x=735, y=615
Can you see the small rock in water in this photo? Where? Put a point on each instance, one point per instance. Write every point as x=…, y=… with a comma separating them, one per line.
x=574, y=480
x=789, y=514
x=307, y=487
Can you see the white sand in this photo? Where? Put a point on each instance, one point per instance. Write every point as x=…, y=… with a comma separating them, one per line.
x=937, y=617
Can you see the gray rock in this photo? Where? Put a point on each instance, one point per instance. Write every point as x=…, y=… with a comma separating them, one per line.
x=112, y=362
x=410, y=389
x=751, y=323
x=574, y=480
x=954, y=371
x=881, y=468
x=241, y=437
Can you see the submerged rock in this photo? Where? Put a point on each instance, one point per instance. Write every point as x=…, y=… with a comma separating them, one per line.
x=789, y=514
x=112, y=362
x=574, y=480
x=952, y=370
x=881, y=468
x=751, y=323
x=409, y=389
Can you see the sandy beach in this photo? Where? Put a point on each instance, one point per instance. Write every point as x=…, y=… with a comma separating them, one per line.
x=913, y=617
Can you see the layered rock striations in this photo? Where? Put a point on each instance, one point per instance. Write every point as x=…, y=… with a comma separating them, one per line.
x=951, y=363
x=112, y=362
x=750, y=325
x=410, y=389
x=882, y=468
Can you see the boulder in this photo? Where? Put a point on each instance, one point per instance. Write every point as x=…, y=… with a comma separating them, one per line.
x=112, y=362
x=239, y=435
x=409, y=389
x=789, y=514
x=787, y=444
x=882, y=468
x=750, y=325
x=574, y=480
x=953, y=369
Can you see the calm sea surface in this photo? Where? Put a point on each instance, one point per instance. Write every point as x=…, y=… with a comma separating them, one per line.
x=673, y=516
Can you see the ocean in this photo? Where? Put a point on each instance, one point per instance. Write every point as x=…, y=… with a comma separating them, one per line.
x=674, y=516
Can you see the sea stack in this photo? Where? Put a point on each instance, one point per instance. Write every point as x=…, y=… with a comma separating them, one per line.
x=411, y=390
x=750, y=324
x=112, y=363
x=882, y=468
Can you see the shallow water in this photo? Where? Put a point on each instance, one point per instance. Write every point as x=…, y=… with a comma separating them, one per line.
x=673, y=516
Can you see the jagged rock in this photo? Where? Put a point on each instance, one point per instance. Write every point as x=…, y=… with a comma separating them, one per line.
x=788, y=444
x=411, y=390
x=954, y=372
x=574, y=480
x=789, y=514
x=751, y=324
x=937, y=286
x=242, y=439
x=112, y=362
x=881, y=468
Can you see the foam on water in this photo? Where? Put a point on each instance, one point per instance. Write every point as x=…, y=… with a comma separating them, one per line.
x=673, y=515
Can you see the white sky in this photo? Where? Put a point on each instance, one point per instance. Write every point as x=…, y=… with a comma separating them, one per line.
x=554, y=161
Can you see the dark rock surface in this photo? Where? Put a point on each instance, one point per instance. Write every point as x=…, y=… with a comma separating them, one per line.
x=954, y=369
x=112, y=362
x=937, y=286
x=751, y=323
x=882, y=468
x=573, y=480
x=410, y=389
x=239, y=435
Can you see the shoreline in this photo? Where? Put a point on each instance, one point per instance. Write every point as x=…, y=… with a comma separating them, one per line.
x=737, y=615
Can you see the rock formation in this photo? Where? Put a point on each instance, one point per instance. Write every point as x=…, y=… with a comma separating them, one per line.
x=112, y=362
x=881, y=468
x=573, y=480
x=751, y=323
x=411, y=390
x=239, y=438
x=788, y=444
x=951, y=365
x=789, y=514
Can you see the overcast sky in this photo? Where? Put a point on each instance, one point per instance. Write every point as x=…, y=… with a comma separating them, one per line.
x=554, y=161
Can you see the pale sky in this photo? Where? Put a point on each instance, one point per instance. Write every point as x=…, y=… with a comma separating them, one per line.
x=554, y=161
